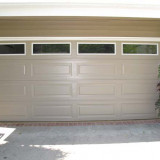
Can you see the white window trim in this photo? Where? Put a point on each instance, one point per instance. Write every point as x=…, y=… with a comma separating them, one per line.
x=14, y=54
x=95, y=54
x=140, y=53
x=51, y=54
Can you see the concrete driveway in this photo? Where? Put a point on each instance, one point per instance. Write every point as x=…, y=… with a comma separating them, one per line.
x=93, y=142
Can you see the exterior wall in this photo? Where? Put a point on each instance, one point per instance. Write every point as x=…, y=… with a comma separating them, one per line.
x=78, y=27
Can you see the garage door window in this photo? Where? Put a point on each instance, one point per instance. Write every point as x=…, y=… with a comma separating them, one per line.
x=12, y=49
x=96, y=48
x=51, y=48
x=139, y=49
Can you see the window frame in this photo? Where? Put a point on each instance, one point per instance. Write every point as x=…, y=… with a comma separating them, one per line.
x=140, y=54
x=95, y=54
x=14, y=54
x=51, y=54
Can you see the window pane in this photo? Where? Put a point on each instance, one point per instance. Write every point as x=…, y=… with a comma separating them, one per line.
x=139, y=49
x=12, y=49
x=51, y=48
x=96, y=48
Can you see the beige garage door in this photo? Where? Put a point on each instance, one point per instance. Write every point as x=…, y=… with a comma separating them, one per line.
x=106, y=83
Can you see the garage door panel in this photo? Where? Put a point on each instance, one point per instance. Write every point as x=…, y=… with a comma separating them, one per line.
x=49, y=110
x=94, y=89
x=46, y=90
x=96, y=109
x=134, y=70
x=52, y=111
x=49, y=70
x=13, y=110
x=138, y=108
x=97, y=70
x=138, y=116
x=138, y=90
x=12, y=70
x=13, y=91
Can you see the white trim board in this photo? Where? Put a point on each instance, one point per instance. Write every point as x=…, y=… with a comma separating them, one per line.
x=144, y=39
x=81, y=9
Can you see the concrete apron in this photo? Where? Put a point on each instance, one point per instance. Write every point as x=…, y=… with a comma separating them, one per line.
x=90, y=142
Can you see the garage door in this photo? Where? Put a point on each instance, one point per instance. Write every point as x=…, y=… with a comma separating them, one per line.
x=77, y=80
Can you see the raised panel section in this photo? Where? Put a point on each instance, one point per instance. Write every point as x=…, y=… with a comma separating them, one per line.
x=97, y=70
x=48, y=70
x=12, y=70
x=52, y=90
x=12, y=91
x=139, y=90
x=134, y=70
x=52, y=110
x=12, y=109
x=137, y=108
x=97, y=89
x=92, y=109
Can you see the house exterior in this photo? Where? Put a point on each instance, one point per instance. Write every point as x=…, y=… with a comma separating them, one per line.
x=75, y=62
